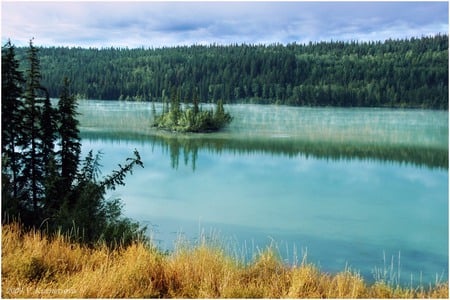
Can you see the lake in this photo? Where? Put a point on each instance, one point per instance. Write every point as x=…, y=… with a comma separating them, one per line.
x=362, y=188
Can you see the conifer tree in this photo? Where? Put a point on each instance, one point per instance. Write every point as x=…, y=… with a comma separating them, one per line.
x=70, y=141
x=48, y=188
x=48, y=126
x=12, y=80
x=51, y=175
x=32, y=139
x=175, y=108
x=196, y=103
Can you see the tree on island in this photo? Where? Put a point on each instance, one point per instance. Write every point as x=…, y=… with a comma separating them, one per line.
x=191, y=119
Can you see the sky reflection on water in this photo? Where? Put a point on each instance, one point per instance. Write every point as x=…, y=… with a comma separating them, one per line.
x=344, y=209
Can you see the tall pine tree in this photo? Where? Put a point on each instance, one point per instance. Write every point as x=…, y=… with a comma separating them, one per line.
x=32, y=141
x=12, y=80
x=51, y=173
x=48, y=126
x=70, y=141
x=48, y=188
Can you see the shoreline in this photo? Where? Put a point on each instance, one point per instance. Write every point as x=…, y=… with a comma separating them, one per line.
x=34, y=265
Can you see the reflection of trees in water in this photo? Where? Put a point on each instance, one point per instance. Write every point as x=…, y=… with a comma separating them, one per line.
x=175, y=147
x=189, y=146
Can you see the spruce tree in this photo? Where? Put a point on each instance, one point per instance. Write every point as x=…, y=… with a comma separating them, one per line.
x=48, y=188
x=32, y=140
x=175, y=107
x=48, y=127
x=51, y=175
x=12, y=80
x=196, y=103
x=70, y=141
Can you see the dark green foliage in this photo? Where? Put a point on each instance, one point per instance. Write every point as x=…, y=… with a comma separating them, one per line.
x=192, y=119
x=394, y=73
x=32, y=142
x=42, y=186
x=70, y=141
x=221, y=118
x=95, y=218
x=12, y=110
x=117, y=177
x=48, y=127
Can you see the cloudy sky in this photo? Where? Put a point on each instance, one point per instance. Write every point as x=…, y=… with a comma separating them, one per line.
x=157, y=24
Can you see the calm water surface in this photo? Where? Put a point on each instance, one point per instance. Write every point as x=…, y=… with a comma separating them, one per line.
x=361, y=188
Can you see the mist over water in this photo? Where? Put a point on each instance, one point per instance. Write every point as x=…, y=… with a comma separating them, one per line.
x=355, y=187
x=355, y=125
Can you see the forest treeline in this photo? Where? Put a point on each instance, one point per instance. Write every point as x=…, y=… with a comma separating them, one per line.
x=394, y=73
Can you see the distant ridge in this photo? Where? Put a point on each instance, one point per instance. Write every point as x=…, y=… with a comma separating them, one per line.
x=395, y=73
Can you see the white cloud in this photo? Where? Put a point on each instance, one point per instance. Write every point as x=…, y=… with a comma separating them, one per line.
x=158, y=24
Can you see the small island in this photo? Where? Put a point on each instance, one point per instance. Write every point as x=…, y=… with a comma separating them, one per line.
x=192, y=118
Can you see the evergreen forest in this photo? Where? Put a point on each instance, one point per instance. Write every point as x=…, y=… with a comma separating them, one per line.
x=46, y=185
x=394, y=73
x=45, y=182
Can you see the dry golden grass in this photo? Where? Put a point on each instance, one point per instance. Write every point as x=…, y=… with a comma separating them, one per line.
x=34, y=266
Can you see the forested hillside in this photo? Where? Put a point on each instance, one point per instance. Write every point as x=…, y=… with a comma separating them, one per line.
x=394, y=73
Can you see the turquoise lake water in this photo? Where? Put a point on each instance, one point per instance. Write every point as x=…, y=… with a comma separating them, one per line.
x=359, y=188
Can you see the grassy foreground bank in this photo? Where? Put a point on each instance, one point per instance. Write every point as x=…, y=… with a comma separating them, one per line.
x=35, y=266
